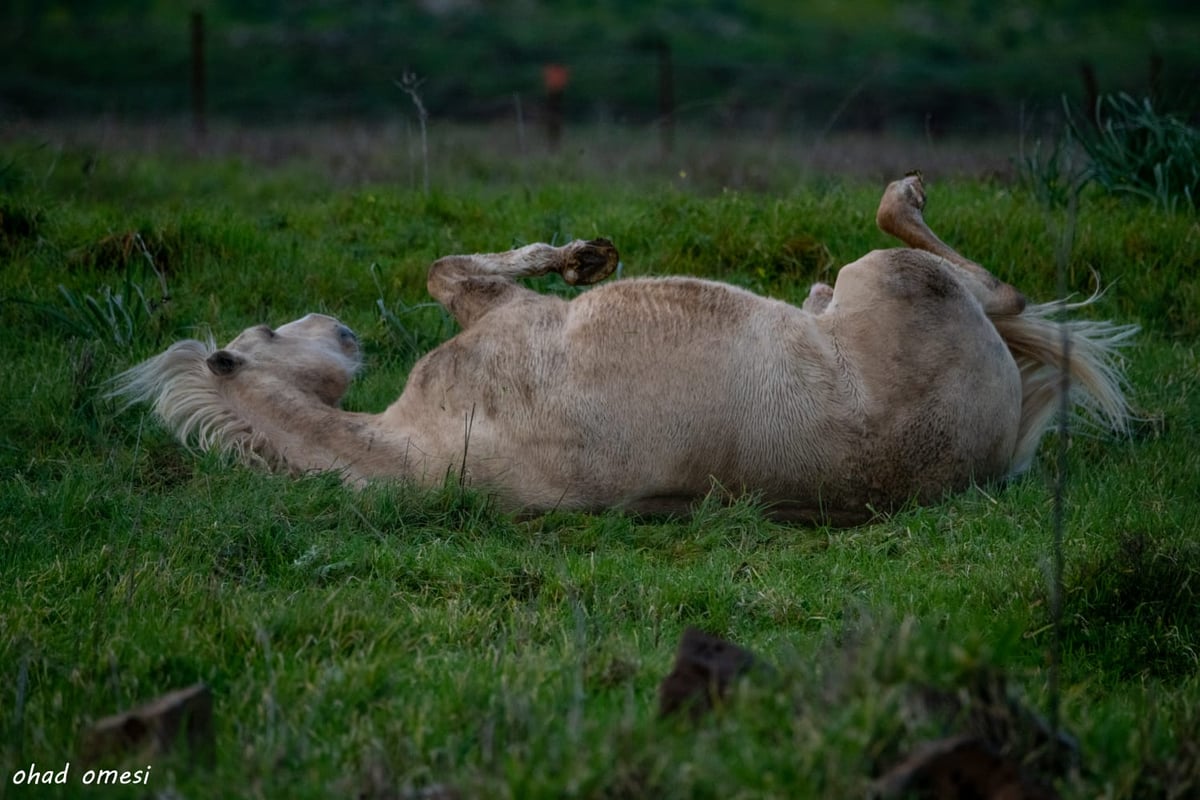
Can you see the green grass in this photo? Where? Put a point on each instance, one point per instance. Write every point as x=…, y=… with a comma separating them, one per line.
x=386, y=639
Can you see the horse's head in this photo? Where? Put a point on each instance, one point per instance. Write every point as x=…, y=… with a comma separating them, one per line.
x=316, y=354
x=212, y=397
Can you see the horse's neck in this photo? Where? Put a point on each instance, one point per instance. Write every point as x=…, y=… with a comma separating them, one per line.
x=301, y=434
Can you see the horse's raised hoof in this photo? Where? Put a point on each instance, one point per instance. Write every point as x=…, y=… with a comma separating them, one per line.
x=899, y=197
x=589, y=262
x=912, y=189
x=900, y=209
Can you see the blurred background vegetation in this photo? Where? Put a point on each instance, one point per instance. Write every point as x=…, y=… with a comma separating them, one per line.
x=918, y=67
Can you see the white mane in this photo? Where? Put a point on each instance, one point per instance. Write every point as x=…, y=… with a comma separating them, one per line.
x=186, y=397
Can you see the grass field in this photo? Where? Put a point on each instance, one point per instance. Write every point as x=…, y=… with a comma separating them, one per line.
x=396, y=644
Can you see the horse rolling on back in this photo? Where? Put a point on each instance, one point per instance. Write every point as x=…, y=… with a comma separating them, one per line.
x=915, y=375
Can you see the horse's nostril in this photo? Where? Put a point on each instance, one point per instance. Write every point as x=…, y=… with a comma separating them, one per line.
x=347, y=335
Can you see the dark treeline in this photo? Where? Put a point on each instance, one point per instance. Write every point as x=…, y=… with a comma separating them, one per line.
x=920, y=66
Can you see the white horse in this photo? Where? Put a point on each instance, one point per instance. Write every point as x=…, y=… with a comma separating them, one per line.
x=917, y=374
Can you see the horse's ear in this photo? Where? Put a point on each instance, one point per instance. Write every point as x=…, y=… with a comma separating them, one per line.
x=224, y=362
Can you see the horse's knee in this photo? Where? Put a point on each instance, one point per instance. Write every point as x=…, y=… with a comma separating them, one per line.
x=443, y=276
x=466, y=292
x=818, y=298
x=1004, y=300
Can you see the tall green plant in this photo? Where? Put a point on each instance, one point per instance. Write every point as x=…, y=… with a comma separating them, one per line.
x=1137, y=150
x=414, y=329
x=120, y=317
x=1054, y=175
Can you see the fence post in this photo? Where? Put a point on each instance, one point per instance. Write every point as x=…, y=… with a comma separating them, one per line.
x=1091, y=92
x=555, y=78
x=1156, y=71
x=666, y=96
x=199, y=125
x=656, y=42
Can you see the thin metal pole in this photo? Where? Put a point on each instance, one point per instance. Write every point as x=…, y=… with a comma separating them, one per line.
x=1060, y=479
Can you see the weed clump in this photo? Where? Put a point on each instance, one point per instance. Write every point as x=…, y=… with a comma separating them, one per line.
x=119, y=317
x=413, y=329
x=1135, y=149
x=1174, y=774
x=1139, y=607
x=18, y=224
x=120, y=251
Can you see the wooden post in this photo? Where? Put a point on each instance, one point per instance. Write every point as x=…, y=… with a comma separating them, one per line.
x=656, y=42
x=1156, y=71
x=666, y=97
x=555, y=78
x=1091, y=93
x=199, y=125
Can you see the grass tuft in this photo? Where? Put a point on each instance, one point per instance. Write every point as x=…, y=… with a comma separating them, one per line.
x=20, y=223
x=1137, y=607
x=1139, y=151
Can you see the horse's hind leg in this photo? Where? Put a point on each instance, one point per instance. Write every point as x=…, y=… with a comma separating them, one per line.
x=900, y=215
x=471, y=285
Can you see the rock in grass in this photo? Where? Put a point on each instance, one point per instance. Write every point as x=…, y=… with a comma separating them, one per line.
x=156, y=728
x=987, y=709
x=705, y=665
x=958, y=767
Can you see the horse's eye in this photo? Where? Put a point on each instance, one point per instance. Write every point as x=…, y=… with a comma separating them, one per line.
x=266, y=331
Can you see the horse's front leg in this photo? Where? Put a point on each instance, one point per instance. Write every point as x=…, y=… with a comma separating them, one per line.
x=469, y=286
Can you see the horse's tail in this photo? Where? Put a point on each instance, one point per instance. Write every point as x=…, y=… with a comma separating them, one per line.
x=1097, y=381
